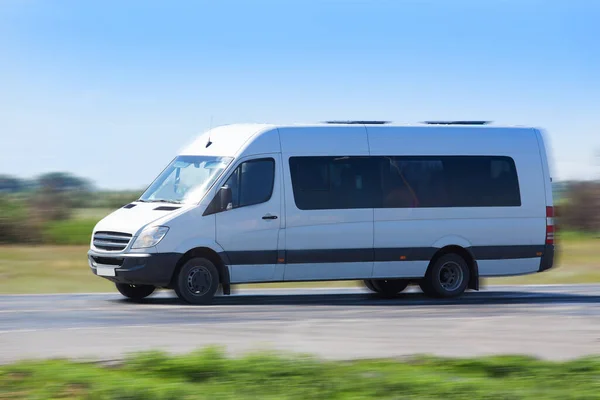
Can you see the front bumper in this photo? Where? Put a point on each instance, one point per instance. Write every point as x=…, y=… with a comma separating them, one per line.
x=154, y=269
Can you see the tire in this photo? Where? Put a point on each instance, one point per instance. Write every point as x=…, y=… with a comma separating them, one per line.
x=447, y=277
x=197, y=281
x=369, y=284
x=388, y=288
x=135, y=292
x=426, y=288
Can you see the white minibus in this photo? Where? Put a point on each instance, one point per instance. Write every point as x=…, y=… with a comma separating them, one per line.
x=436, y=204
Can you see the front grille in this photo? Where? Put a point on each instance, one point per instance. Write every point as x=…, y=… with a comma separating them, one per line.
x=111, y=241
x=108, y=261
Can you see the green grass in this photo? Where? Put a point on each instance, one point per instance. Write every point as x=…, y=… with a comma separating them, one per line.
x=77, y=230
x=48, y=269
x=63, y=268
x=73, y=232
x=208, y=374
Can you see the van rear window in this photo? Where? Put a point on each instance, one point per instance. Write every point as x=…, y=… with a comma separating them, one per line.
x=404, y=182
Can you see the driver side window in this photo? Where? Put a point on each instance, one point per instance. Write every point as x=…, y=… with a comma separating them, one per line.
x=252, y=182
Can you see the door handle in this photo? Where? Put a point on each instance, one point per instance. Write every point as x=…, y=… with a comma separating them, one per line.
x=269, y=216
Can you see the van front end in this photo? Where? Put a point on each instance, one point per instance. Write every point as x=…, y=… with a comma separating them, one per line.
x=140, y=251
x=139, y=246
x=123, y=248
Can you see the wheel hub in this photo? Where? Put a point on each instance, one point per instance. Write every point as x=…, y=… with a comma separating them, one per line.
x=199, y=281
x=451, y=276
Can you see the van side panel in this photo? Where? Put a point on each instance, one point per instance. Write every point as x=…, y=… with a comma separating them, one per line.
x=501, y=231
x=359, y=243
x=325, y=244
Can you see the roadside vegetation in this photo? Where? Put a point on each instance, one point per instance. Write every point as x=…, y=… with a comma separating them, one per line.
x=209, y=374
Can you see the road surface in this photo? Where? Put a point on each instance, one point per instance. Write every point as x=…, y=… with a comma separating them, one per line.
x=551, y=322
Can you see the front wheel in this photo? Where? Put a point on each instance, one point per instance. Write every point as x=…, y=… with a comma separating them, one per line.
x=197, y=281
x=135, y=292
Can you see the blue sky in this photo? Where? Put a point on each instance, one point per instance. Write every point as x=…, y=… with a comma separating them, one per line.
x=111, y=90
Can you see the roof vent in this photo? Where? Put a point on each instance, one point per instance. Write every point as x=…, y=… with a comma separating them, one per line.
x=457, y=122
x=358, y=122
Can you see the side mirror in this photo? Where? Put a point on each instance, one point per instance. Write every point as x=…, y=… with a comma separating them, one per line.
x=220, y=202
x=225, y=198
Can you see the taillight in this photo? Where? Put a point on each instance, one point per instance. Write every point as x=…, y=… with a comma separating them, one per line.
x=549, y=225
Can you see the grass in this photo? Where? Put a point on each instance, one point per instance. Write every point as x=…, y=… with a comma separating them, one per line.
x=73, y=231
x=62, y=269
x=209, y=374
x=48, y=269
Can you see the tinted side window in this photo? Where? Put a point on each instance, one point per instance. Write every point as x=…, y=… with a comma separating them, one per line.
x=404, y=182
x=413, y=182
x=321, y=183
x=452, y=181
x=479, y=181
x=252, y=182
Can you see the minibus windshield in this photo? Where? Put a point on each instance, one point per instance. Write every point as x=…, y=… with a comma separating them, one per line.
x=186, y=179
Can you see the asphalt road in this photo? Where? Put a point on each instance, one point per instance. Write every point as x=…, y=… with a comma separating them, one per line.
x=551, y=322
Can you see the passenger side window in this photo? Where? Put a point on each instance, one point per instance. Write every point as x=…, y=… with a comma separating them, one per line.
x=478, y=181
x=333, y=183
x=252, y=182
x=450, y=181
x=413, y=182
x=322, y=183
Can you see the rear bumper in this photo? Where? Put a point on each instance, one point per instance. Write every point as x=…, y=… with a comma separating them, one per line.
x=547, y=260
x=154, y=269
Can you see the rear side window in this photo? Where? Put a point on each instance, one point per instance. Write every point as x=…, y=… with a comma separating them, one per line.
x=252, y=182
x=452, y=181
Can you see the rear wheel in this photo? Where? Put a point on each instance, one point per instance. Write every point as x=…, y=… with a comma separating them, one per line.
x=197, y=281
x=447, y=277
x=389, y=287
x=135, y=292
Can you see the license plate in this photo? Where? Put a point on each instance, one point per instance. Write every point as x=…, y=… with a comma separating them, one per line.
x=105, y=271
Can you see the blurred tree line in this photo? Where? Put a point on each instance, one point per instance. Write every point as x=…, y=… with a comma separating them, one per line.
x=27, y=206
x=578, y=208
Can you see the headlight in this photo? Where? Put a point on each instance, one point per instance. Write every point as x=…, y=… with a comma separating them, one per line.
x=150, y=237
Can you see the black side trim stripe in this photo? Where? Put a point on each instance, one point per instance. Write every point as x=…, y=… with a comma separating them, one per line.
x=405, y=254
x=328, y=256
x=377, y=255
x=252, y=257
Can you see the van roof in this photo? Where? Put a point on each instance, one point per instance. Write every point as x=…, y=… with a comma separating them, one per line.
x=371, y=122
x=439, y=123
x=230, y=140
